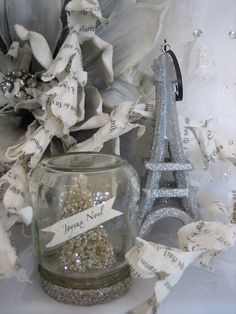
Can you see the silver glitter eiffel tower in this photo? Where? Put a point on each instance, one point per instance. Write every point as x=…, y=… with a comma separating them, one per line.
x=161, y=196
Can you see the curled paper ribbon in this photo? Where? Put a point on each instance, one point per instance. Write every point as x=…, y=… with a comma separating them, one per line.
x=13, y=187
x=85, y=13
x=117, y=124
x=212, y=146
x=199, y=243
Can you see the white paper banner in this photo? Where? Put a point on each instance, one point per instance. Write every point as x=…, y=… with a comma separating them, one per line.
x=90, y=218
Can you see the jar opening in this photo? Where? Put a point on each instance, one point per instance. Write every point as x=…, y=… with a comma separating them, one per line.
x=84, y=162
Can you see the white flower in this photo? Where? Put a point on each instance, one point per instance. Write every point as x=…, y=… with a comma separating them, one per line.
x=80, y=70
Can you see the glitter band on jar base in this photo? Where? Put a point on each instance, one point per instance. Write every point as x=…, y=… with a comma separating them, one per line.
x=86, y=297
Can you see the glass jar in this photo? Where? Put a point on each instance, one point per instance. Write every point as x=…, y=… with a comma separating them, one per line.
x=85, y=208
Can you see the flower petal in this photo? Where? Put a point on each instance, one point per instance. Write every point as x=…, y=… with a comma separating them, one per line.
x=6, y=64
x=24, y=57
x=4, y=32
x=21, y=59
x=68, y=141
x=133, y=32
x=94, y=117
x=98, y=64
x=121, y=91
x=37, y=143
x=68, y=103
x=7, y=255
x=10, y=132
x=94, y=122
x=27, y=104
x=39, y=16
x=39, y=45
x=3, y=100
x=108, y=7
x=148, y=90
x=85, y=13
x=117, y=125
x=14, y=196
x=118, y=92
x=14, y=49
x=70, y=51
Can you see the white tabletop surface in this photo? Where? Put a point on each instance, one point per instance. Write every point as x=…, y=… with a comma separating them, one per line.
x=198, y=292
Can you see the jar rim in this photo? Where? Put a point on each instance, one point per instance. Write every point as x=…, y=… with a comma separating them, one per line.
x=83, y=162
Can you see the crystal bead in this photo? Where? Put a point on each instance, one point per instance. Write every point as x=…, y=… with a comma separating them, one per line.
x=197, y=33
x=232, y=34
x=24, y=79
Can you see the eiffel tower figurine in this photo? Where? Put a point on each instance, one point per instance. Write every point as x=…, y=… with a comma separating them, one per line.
x=168, y=192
